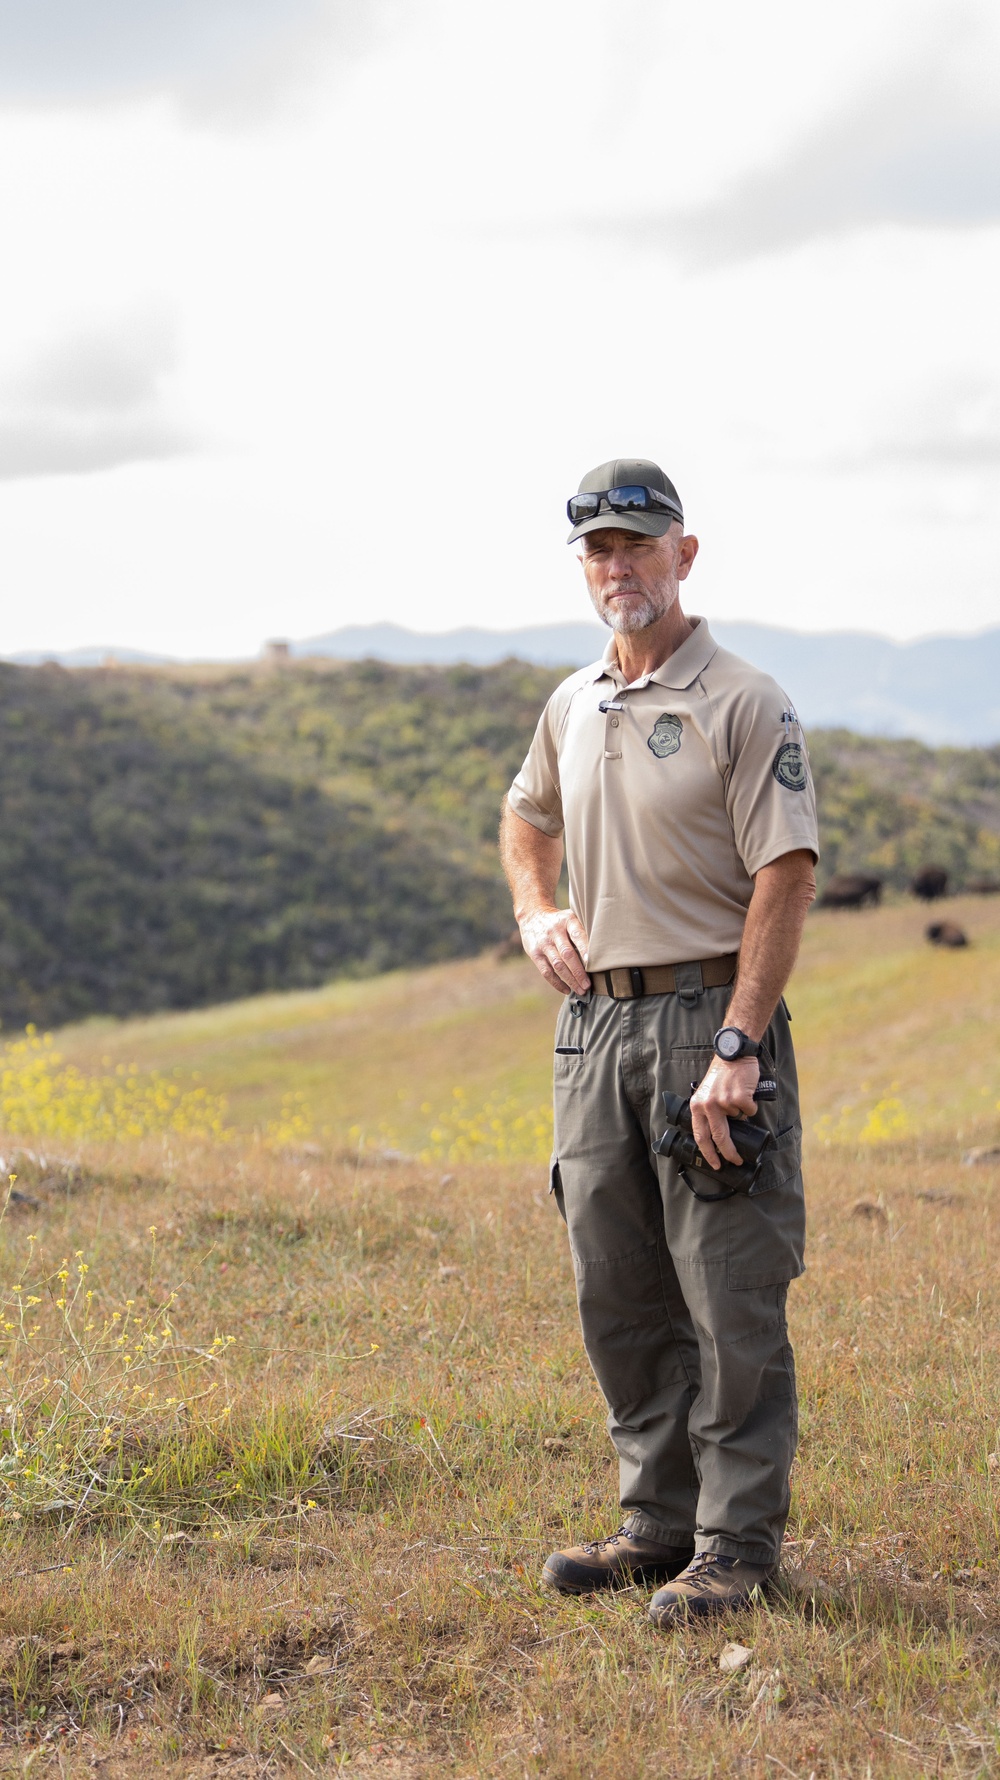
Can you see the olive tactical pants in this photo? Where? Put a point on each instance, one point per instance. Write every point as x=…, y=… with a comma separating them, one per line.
x=682, y=1302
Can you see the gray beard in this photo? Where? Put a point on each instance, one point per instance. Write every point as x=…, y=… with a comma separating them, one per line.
x=626, y=620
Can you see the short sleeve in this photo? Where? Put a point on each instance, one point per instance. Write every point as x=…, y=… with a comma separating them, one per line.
x=769, y=793
x=535, y=794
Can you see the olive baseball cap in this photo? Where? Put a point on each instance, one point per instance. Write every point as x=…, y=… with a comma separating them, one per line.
x=629, y=472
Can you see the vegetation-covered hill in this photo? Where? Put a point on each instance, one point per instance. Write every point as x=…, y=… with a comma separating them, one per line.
x=891, y=806
x=176, y=837
x=168, y=841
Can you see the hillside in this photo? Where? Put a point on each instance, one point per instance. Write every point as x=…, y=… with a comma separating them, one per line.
x=176, y=837
x=877, y=1014
x=891, y=806
x=296, y=1408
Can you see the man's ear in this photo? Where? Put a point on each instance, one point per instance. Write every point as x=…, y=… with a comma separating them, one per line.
x=687, y=550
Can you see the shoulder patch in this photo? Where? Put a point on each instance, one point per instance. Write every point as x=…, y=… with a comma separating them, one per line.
x=789, y=767
x=666, y=736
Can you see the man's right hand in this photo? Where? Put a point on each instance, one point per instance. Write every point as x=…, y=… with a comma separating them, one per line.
x=556, y=942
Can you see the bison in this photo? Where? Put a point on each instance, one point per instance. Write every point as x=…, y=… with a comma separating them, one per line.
x=945, y=933
x=930, y=882
x=851, y=890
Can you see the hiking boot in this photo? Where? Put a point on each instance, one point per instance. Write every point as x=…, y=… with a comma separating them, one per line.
x=710, y=1584
x=624, y=1557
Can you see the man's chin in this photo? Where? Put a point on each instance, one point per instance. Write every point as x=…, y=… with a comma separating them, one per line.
x=625, y=620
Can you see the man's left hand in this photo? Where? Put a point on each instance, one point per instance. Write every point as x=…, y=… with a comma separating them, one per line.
x=727, y=1092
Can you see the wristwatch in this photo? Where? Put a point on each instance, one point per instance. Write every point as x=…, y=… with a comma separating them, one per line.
x=730, y=1043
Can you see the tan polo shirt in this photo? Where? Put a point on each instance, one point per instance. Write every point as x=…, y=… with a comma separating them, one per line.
x=671, y=794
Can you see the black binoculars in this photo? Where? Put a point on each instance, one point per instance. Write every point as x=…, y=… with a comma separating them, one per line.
x=678, y=1142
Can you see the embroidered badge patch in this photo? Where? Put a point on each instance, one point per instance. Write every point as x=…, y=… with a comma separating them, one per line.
x=666, y=736
x=789, y=767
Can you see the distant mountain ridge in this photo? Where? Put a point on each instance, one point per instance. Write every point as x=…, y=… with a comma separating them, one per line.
x=939, y=690
x=547, y=645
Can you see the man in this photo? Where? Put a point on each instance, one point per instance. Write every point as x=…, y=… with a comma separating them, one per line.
x=676, y=777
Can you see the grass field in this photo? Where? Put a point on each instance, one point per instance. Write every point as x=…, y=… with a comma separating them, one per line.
x=276, y=1496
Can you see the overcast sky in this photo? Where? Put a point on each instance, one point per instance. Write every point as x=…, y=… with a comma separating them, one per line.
x=315, y=311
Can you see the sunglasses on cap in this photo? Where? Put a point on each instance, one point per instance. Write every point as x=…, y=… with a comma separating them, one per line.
x=632, y=499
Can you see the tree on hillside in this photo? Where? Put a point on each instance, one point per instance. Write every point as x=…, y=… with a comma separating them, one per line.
x=175, y=837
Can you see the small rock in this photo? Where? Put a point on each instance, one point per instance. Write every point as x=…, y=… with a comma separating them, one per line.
x=271, y=1700
x=734, y=1658
x=447, y=1180
x=987, y=1156
x=993, y=1461
x=867, y=1208
x=449, y=1272
x=318, y=1665
x=556, y=1443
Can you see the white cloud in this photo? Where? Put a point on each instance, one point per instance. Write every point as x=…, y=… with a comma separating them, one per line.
x=410, y=367
x=86, y=48
x=955, y=424
x=91, y=401
x=919, y=146
x=280, y=75
x=910, y=136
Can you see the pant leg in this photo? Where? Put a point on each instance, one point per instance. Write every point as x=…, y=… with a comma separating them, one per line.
x=681, y=1302
x=637, y=1331
x=734, y=1259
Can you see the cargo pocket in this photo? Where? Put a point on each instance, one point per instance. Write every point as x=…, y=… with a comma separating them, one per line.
x=781, y=1160
x=556, y=1186
x=767, y=1232
x=688, y=1063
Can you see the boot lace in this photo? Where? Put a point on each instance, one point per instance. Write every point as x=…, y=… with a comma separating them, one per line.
x=704, y=1569
x=597, y=1545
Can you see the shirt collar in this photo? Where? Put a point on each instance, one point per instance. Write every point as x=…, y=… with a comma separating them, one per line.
x=680, y=669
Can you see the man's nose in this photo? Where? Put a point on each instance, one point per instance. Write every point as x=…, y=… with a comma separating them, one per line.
x=620, y=565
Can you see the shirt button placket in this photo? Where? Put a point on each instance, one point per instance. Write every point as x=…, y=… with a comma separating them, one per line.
x=612, y=733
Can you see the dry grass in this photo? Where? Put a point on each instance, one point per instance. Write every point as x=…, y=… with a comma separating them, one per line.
x=330, y=1564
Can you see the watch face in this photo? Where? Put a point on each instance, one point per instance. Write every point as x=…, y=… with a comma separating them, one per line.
x=728, y=1043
